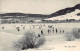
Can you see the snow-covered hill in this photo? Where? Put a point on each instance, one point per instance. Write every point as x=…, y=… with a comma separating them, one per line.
x=72, y=15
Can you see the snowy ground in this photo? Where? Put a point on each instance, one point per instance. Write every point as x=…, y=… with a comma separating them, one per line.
x=54, y=41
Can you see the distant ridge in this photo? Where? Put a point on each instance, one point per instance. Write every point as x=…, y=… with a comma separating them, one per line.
x=23, y=14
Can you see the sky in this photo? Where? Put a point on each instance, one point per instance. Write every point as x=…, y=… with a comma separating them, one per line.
x=35, y=6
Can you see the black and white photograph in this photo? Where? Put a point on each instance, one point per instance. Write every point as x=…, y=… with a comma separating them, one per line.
x=39, y=25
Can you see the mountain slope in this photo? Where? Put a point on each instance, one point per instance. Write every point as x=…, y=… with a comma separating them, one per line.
x=72, y=15
x=65, y=11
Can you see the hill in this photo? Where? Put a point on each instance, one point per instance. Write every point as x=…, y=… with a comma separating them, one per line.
x=65, y=11
x=72, y=15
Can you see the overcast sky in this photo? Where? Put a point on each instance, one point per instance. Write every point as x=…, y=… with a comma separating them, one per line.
x=35, y=6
